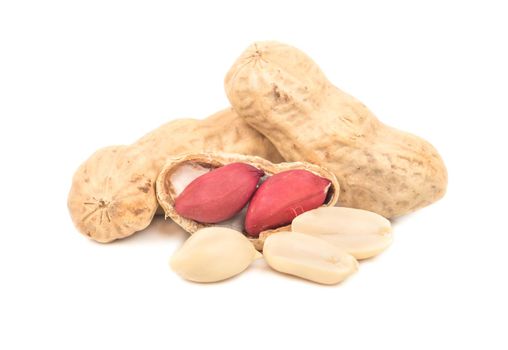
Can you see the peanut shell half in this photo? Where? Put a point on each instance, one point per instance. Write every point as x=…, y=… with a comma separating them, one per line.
x=168, y=186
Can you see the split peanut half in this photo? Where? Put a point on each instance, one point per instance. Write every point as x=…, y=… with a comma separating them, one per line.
x=361, y=233
x=308, y=257
x=214, y=254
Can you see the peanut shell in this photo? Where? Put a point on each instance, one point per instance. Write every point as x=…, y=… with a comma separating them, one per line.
x=113, y=192
x=284, y=95
x=167, y=192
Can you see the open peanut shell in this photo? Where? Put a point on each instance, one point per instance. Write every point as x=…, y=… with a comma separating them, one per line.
x=181, y=170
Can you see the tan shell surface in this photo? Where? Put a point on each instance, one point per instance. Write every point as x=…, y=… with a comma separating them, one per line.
x=113, y=192
x=119, y=201
x=284, y=95
x=166, y=193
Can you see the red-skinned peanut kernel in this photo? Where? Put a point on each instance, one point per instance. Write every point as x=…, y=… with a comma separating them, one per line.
x=282, y=197
x=220, y=194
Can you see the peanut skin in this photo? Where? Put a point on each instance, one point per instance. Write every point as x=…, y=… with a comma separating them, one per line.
x=220, y=194
x=284, y=95
x=113, y=193
x=282, y=197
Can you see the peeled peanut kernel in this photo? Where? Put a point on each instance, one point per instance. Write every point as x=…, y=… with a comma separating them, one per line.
x=308, y=257
x=213, y=254
x=361, y=233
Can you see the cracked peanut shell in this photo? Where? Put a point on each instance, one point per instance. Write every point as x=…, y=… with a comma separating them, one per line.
x=179, y=171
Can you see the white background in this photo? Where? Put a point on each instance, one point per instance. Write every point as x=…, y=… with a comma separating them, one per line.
x=79, y=75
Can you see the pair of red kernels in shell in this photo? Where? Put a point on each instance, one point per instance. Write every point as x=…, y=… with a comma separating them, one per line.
x=222, y=193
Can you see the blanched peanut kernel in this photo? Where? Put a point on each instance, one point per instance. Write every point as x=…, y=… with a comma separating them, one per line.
x=213, y=254
x=361, y=233
x=308, y=257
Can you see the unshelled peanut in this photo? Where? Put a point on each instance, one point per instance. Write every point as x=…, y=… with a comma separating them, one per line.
x=284, y=95
x=113, y=192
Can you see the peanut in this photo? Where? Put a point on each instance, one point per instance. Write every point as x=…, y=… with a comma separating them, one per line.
x=282, y=197
x=284, y=95
x=308, y=257
x=219, y=194
x=361, y=233
x=113, y=193
x=213, y=254
x=180, y=171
